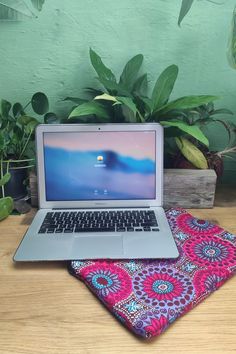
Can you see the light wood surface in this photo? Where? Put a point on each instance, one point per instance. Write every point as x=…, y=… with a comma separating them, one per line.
x=45, y=310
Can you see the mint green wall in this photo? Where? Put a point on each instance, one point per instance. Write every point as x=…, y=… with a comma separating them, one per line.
x=50, y=53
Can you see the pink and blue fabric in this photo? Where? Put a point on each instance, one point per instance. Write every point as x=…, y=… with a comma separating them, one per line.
x=148, y=295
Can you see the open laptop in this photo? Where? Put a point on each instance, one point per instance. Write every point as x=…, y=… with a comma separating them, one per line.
x=100, y=194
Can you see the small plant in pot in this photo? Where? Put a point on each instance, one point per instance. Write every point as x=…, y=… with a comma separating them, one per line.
x=17, y=143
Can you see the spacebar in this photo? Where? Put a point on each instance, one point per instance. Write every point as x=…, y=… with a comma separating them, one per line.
x=100, y=229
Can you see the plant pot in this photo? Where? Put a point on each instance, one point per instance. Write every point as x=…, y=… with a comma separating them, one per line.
x=16, y=187
x=183, y=188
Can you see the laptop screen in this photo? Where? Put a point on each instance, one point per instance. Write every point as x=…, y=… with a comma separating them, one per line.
x=100, y=165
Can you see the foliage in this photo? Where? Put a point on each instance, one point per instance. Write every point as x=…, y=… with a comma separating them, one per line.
x=201, y=116
x=17, y=128
x=6, y=203
x=125, y=100
x=232, y=42
x=18, y=9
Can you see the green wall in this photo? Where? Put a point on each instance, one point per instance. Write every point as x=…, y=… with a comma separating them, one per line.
x=50, y=53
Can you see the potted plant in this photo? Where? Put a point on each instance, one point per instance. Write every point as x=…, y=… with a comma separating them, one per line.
x=17, y=143
x=126, y=100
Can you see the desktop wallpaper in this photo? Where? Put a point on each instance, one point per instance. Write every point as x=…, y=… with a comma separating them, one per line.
x=99, y=165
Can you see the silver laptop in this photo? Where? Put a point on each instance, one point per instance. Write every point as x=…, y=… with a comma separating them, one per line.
x=100, y=194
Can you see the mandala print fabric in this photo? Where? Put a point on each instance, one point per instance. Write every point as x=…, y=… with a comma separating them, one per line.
x=148, y=295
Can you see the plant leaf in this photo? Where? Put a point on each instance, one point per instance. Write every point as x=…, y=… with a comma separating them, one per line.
x=6, y=207
x=39, y=102
x=185, y=7
x=90, y=108
x=5, y=108
x=17, y=110
x=106, y=97
x=38, y=4
x=131, y=70
x=128, y=102
x=186, y=102
x=192, y=130
x=5, y=179
x=164, y=86
x=140, y=85
x=75, y=100
x=14, y=10
x=51, y=118
x=232, y=42
x=103, y=72
x=221, y=111
x=25, y=120
x=192, y=153
x=113, y=88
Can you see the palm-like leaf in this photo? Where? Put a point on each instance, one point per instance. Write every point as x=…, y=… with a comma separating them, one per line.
x=185, y=7
x=164, y=87
x=192, y=130
x=14, y=10
x=192, y=153
x=130, y=72
x=103, y=72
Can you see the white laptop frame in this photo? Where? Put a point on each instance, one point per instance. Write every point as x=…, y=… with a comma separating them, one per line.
x=116, y=127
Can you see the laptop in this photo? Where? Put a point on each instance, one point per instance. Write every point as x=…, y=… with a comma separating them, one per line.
x=100, y=192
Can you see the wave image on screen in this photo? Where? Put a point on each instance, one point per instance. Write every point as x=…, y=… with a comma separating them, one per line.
x=97, y=175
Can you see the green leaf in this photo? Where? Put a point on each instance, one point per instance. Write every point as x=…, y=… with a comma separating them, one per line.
x=189, y=129
x=192, y=153
x=103, y=72
x=2, y=140
x=105, y=97
x=147, y=103
x=140, y=85
x=185, y=7
x=131, y=70
x=90, y=108
x=75, y=100
x=172, y=132
x=17, y=110
x=221, y=111
x=14, y=10
x=5, y=179
x=25, y=120
x=93, y=92
x=6, y=207
x=164, y=86
x=5, y=108
x=51, y=118
x=186, y=102
x=38, y=4
x=39, y=102
x=113, y=88
x=128, y=102
x=232, y=42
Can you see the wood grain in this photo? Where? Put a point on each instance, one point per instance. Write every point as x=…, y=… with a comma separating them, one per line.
x=189, y=188
x=44, y=310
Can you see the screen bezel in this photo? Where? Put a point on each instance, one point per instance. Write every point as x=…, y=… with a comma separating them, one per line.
x=53, y=128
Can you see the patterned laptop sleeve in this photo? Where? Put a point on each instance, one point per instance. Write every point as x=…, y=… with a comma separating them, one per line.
x=148, y=295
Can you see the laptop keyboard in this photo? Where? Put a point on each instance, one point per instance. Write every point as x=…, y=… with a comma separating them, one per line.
x=99, y=221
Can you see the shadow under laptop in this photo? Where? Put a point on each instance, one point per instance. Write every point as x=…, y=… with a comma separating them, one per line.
x=51, y=265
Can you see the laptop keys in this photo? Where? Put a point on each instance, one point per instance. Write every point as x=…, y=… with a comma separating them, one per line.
x=99, y=221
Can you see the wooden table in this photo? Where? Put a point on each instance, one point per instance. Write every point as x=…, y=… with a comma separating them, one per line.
x=45, y=310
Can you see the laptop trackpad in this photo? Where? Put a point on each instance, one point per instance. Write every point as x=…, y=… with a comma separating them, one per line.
x=98, y=246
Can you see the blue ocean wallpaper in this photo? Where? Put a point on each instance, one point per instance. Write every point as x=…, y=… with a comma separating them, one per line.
x=97, y=174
